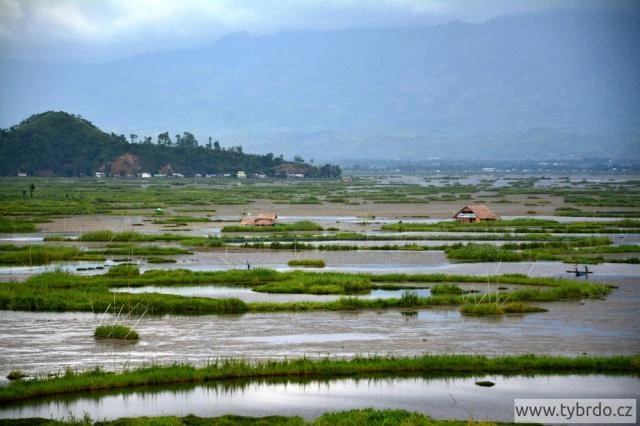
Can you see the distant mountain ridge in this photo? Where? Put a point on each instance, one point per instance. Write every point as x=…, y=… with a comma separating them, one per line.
x=541, y=86
x=63, y=144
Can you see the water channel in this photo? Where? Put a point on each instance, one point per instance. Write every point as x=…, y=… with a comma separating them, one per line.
x=448, y=398
x=42, y=343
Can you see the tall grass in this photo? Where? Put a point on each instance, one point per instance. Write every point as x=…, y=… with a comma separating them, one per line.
x=127, y=236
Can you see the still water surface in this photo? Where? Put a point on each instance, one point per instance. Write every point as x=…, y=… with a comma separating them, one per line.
x=248, y=295
x=457, y=398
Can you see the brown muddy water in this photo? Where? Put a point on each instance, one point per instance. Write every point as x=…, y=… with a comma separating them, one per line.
x=448, y=398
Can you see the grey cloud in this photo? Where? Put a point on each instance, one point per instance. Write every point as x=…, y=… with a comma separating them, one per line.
x=108, y=29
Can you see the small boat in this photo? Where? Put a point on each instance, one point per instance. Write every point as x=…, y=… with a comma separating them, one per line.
x=580, y=273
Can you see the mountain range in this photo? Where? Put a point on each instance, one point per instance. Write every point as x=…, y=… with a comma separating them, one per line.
x=550, y=85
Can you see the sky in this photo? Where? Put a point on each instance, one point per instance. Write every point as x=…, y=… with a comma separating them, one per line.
x=104, y=30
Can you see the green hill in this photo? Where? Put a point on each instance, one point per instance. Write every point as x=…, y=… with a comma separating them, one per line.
x=63, y=144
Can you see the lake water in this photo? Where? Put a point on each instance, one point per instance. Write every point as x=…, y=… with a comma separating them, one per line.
x=454, y=397
x=248, y=295
x=41, y=343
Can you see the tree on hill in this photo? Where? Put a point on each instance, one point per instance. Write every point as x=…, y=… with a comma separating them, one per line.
x=57, y=144
x=62, y=144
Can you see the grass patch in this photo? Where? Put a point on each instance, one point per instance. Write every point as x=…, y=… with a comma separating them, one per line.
x=116, y=331
x=97, y=379
x=126, y=236
x=483, y=309
x=133, y=250
x=125, y=270
x=160, y=260
x=304, y=225
x=364, y=416
x=173, y=220
x=586, y=250
x=16, y=226
x=43, y=254
x=325, y=283
x=62, y=291
x=524, y=226
x=309, y=263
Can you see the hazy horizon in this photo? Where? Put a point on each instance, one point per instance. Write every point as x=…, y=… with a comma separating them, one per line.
x=397, y=79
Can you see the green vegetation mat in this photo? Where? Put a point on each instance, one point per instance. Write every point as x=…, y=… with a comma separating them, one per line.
x=524, y=226
x=63, y=291
x=309, y=263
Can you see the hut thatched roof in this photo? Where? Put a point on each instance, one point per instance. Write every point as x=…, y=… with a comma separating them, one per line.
x=480, y=211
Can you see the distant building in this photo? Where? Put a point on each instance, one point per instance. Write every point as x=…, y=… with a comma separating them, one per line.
x=241, y=175
x=476, y=213
x=261, y=220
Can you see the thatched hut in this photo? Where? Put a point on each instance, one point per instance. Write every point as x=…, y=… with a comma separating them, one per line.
x=475, y=213
x=260, y=220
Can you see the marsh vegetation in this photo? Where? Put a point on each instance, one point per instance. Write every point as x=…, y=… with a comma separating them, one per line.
x=199, y=221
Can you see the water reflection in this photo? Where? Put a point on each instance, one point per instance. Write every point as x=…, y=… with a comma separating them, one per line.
x=248, y=295
x=448, y=397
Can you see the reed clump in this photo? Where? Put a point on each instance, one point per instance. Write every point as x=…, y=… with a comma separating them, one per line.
x=16, y=375
x=309, y=263
x=115, y=331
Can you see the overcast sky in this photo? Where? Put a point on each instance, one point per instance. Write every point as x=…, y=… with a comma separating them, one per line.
x=101, y=30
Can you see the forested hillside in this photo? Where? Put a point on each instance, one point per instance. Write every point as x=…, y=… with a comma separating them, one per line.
x=63, y=144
